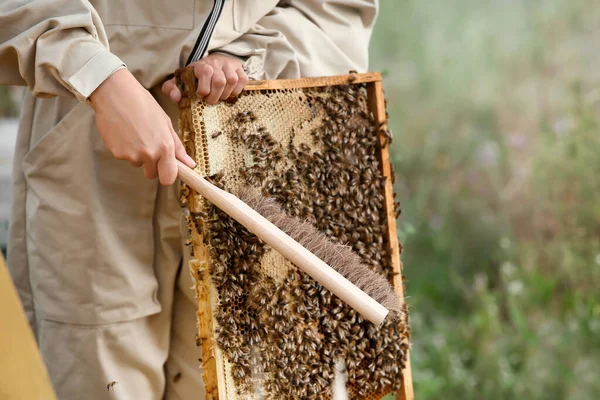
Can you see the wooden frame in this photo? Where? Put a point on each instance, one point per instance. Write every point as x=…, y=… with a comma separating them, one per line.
x=376, y=104
x=22, y=372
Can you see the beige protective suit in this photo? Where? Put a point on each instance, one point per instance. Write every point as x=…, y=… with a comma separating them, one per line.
x=96, y=249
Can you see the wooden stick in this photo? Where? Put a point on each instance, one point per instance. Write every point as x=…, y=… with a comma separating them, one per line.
x=288, y=247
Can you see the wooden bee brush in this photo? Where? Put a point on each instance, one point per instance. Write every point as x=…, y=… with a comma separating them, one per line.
x=334, y=266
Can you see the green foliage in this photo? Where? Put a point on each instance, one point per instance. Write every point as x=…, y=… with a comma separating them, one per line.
x=8, y=108
x=494, y=106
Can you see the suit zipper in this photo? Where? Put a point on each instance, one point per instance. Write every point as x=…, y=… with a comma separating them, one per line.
x=206, y=32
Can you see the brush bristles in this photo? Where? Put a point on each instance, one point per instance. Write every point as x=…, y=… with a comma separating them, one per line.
x=339, y=257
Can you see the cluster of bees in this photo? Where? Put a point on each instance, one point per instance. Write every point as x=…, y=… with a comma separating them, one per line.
x=292, y=333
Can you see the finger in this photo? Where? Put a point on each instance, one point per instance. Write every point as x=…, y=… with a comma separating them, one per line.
x=175, y=95
x=180, y=152
x=231, y=79
x=168, y=86
x=242, y=81
x=150, y=171
x=135, y=164
x=218, y=83
x=204, y=73
x=167, y=167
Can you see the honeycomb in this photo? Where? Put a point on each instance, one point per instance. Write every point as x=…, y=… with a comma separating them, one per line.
x=268, y=330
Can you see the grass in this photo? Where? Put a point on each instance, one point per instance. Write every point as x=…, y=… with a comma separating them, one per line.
x=494, y=106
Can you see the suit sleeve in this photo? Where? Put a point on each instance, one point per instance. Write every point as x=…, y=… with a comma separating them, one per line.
x=55, y=47
x=302, y=38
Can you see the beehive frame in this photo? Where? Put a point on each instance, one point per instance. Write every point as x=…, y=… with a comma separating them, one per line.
x=212, y=356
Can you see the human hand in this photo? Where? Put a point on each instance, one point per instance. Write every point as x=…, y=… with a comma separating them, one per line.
x=135, y=128
x=219, y=77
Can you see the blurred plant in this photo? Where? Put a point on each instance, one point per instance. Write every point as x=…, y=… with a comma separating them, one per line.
x=8, y=107
x=495, y=110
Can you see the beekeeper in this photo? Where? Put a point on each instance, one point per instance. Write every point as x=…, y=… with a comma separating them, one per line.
x=95, y=248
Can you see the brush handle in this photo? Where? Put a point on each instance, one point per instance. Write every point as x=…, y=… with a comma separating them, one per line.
x=284, y=244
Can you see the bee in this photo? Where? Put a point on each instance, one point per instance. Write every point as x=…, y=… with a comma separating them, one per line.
x=216, y=134
x=231, y=100
x=111, y=385
x=245, y=117
x=215, y=178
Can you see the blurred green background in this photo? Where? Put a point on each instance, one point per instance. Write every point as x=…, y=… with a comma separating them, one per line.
x=495, y=109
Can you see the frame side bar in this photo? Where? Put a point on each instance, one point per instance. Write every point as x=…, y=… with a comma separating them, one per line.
x=377, y=106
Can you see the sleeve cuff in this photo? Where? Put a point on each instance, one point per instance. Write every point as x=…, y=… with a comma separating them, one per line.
x=242, y=59
x=95, y=71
